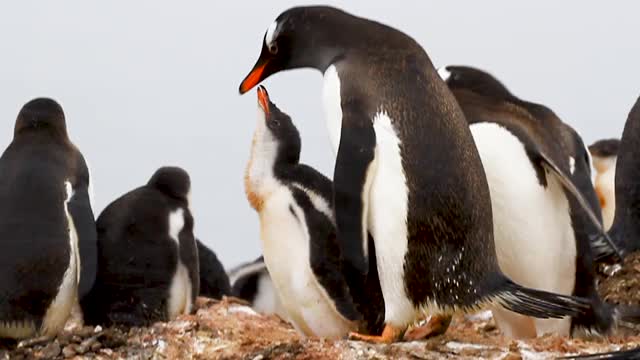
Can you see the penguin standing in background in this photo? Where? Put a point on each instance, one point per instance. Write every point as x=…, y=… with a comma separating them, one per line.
x=214, y=282
x=407, y=170
x=47, y=228
x=147, y=255
x=605, y=155
x=251, y=282
x=299, y=243
x=532, y=160
x=625, y=230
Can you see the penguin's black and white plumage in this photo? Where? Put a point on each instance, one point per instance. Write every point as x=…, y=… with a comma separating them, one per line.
x=251, y=282
x=625, y=230
x=147, y=255
x=214, y=282
x=298, y=234
x=533, y=162
x=605, y=155
x=47, y=227
x=407, y=170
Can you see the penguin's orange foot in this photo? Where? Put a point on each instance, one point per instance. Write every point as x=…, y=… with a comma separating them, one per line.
x=389, y=335
x=435, y=325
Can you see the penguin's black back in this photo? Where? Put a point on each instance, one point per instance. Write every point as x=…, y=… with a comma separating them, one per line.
x=626, y=224
x=35, y=249
x=138, y=258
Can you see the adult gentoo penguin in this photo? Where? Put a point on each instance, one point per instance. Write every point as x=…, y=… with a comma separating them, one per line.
x=214, y=282
x=298, y=234
x=407, y=169
x=147, y=255
x=251, y=282
x=625, y=230
x=532, y=160
x=47, y=228
x=605, y=155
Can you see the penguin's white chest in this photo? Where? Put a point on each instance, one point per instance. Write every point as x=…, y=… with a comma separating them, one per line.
x=285, y=242
x=332, y=105
x=180, y=289
x=534, y=238
x=605, y=187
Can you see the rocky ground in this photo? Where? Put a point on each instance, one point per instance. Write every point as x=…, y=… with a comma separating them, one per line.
x=229, y=329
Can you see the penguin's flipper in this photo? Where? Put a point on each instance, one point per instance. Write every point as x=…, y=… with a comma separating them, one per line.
x=633, y=354
x=214, y=282
x=352, y=177
x=324, y=256
x=189, y=256
x=85, y=225
x=537, y=303
x=601, y=243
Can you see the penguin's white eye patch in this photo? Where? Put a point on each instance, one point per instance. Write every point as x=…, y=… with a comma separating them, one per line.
x=444, y=73
x=271, y=35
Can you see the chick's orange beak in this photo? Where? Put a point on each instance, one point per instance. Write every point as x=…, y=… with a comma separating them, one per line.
x=263, y=99
x=254, y=77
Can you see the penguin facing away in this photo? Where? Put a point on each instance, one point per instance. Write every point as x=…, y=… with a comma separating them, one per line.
x=605, y=155
x=532, y=159
x=147, y=255
x=214, y=282
x=251, y=282
x=47, y=228
x=299, y=243
x=625, y=230
x=407, y=170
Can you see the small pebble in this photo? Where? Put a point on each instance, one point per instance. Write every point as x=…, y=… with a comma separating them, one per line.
x=68, y=351
x=512, y=356
x=52, y=350
x=96, y=346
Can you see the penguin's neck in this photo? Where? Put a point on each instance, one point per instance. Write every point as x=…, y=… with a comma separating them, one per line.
x=265, y=163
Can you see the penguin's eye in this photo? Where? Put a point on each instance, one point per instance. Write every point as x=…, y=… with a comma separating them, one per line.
x=273, y=48
x=273, y=123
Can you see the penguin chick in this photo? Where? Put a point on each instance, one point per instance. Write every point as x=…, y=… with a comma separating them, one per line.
x=147, y=255
x=298, y=235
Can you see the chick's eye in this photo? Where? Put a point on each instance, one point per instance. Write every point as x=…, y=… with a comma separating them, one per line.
x=273, y=48
x=273, y=123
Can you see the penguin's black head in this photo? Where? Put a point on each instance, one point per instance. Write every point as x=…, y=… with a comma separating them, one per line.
x=309, y=36
x=605, y=148
x=172, y=181
x=41, y=114
x=276, y=131
x=473, y=79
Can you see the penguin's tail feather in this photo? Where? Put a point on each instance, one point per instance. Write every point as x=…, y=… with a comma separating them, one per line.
x=537, y=303
x=633, y=354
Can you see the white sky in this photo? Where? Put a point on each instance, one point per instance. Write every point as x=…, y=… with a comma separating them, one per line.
x=152, y=83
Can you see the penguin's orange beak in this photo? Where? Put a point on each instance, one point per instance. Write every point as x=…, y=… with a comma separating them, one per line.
x=263, y=99
x=254, y=77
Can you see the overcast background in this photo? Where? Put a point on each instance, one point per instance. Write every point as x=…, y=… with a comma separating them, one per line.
x=152, y=83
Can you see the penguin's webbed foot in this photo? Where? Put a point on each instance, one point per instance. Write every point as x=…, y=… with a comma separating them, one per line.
x=389, y=335
x=434, y=326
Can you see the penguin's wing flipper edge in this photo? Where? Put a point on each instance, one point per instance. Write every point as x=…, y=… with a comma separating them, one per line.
x=550, y=165
x=85, y=226
x=352, y=180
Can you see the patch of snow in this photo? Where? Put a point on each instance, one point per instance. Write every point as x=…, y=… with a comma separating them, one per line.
x=457, y=346
x=242, y=309
x=480, y=316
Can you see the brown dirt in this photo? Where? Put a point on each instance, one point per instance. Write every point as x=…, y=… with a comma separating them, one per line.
x=229, y=329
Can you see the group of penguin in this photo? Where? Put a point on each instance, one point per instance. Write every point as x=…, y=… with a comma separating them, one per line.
x=136, y=264
x=449, y=194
